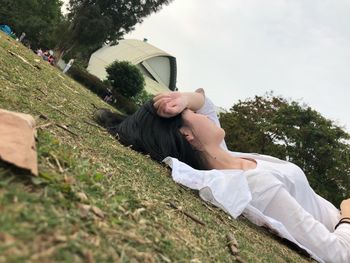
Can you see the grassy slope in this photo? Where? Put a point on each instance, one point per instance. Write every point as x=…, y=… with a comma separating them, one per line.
x=43, y=219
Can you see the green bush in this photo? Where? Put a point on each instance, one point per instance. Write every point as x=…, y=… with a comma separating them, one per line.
x=94, y=84
x=123, y=103
x=125, y=78
x=142, y=97
x=88, y=80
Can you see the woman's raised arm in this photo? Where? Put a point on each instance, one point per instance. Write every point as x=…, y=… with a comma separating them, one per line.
x=170, y=104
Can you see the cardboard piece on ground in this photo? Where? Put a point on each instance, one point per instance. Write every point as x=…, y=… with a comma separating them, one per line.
x=17, y=140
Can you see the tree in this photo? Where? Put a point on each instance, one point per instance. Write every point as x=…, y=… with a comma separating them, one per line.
x=125, y=78
x=274, y=126
x=37, y=18
x=94, y=22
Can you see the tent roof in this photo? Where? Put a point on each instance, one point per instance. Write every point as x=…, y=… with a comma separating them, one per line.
x=134, y=51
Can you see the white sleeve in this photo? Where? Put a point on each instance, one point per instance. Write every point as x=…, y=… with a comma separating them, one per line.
x=208, y=109
x=331, y=247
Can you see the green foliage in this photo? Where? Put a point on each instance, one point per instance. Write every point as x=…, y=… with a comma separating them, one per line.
x=118, y=17
x=100, y=88
x=88, y=80
x=38, y=18
x=124, y=104
x=272, y=125
x=142, y=97
x=92, y=23
x=125, y=78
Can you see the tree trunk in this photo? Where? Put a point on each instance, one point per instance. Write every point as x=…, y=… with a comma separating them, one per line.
x=59, y=52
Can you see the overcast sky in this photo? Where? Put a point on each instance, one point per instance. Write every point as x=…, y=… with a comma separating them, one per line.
x=236, y=49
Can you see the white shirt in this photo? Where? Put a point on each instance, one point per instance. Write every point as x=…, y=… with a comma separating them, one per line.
x=282, y=192
x=275, y=194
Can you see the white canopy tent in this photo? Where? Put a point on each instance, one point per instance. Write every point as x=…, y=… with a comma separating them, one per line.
x=157, y=66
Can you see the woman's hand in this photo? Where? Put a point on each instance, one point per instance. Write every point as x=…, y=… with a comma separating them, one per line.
x=170, y=104
x=345, y=208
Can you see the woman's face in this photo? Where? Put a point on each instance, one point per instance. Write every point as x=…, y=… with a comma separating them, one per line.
x=202, y=129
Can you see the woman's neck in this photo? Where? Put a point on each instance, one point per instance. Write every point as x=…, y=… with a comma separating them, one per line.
x=221, y=159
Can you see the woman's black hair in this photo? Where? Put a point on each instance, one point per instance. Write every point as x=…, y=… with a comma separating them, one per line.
x=147, y=132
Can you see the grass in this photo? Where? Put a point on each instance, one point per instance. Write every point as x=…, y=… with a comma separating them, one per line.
x=95, y=200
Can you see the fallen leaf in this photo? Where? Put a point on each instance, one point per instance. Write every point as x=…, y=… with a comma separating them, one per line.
x=6, y=239
x=102, y=224
x=165, y=259
x=84, y=210
x=232, y=243
x=89, y=256
x=143, y=222
x=82, y=196
x=240, y=260
x=60, y=238
x=57, y=163
x=17, y=137
x=95, y=241
x=97, y=211
x=138, y=212
x=69, y=180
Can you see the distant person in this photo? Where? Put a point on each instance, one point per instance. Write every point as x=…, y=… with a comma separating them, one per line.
x=23, y=35
x=68, y=65
x=51, y=60
x=26, y=43
x=39, y=52
x=109, y=96
x=45, y=55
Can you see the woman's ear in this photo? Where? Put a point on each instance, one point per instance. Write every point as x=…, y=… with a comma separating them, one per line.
x=185, y=131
